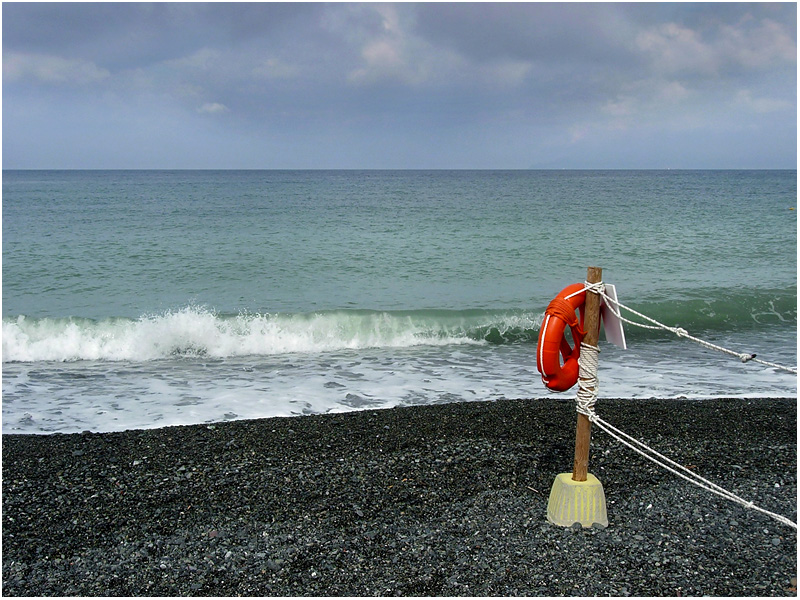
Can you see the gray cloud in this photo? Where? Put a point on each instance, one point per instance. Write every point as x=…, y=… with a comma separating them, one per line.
x=127, y=35
x=546, y=32
x=50, y=69
x=420, y=85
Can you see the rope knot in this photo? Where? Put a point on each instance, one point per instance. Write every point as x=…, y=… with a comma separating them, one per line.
x=562, y=309
x=597, y=288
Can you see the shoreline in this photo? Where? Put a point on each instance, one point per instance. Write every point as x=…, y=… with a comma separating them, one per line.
x=569, y=397
x=446, y=499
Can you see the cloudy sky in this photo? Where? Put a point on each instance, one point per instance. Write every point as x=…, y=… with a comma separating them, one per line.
x=522, y=85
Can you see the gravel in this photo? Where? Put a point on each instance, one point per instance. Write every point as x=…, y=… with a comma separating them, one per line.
x=444, y=500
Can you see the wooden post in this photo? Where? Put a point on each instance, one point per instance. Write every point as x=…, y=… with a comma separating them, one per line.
x=591, y=324
x=579, y=497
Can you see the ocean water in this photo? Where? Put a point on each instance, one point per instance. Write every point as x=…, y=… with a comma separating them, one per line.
x=139, y=299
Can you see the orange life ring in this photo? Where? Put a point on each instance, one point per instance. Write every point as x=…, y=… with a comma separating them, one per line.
x=560, y=313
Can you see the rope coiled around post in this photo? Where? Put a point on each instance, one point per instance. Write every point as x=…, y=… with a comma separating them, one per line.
x=588, y=387
x=588, y=362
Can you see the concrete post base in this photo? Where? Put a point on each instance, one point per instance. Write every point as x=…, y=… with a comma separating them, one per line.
x=573, y=502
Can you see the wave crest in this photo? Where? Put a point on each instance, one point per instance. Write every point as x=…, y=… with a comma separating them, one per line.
x=197, y=331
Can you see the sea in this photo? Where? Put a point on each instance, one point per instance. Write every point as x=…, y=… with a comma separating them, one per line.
x=145, y=299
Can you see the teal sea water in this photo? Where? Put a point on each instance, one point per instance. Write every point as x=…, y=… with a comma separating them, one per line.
x=137, y=299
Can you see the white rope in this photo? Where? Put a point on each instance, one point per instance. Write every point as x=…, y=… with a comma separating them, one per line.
x=588, y=361
x=587, y=396
x=597, y=288
x=681, y=471
x=587, y=379
x=680, y=332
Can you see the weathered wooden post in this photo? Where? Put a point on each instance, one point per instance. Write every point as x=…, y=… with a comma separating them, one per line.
x=591, y=325
x=578, y=497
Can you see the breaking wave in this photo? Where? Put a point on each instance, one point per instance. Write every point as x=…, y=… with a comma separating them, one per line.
x=198, y=331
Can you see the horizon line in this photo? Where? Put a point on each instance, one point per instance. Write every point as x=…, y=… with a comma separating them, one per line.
x=399, y=169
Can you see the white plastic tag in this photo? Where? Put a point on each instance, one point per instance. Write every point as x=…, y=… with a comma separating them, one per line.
x=612, y=324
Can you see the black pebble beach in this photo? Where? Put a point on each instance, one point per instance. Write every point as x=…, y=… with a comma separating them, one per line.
x=444, y=500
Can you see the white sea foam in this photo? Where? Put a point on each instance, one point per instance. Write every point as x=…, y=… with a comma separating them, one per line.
x=284, y=245
x=117, y=395
x=197, y=331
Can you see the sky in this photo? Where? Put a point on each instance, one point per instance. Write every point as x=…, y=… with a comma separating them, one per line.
x=399, y=86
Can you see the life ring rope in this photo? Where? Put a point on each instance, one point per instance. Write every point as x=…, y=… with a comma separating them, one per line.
x=560, y=314
x=562, y=309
